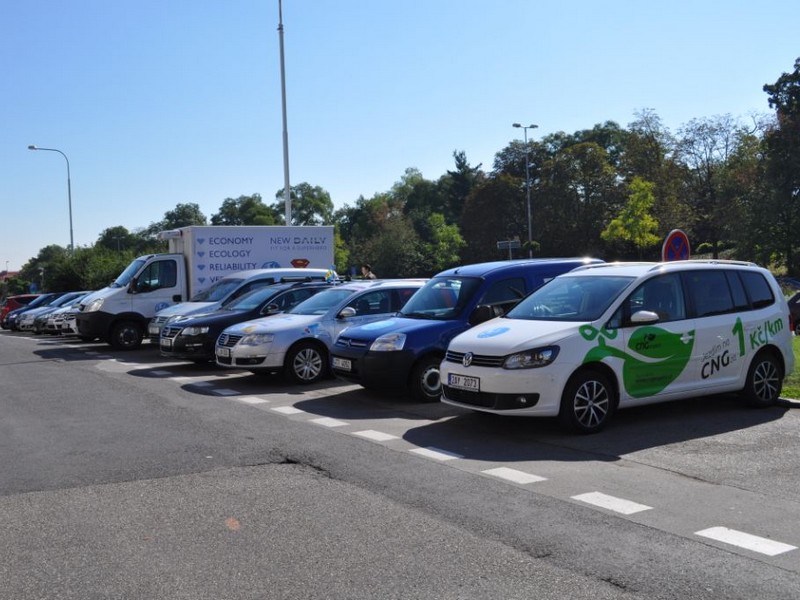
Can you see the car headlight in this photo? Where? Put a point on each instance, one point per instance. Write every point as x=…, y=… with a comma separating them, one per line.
x=257, y=339
x=94, y=305
x=175, y=318
x=389, y=343
x=189, y=331
x=531, y=359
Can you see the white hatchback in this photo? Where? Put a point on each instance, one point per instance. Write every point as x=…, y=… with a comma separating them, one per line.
x=298, y=342
x=616, y=335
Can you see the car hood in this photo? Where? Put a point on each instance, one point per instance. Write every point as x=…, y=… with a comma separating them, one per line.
x=274, y=324
x=499, y=337
x=187, y=308
x=409, y=326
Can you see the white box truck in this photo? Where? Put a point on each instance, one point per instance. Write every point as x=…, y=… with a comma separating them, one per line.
x=198, y=256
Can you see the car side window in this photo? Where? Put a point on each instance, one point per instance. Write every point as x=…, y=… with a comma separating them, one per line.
x=662, y=295
x=503, y=295
x=710, y=293
x=400, y=297
x=371, y=303
x=157, y=275
x=250, y=286
x=757, y=288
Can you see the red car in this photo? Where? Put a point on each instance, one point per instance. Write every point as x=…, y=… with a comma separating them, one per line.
x=13, y=303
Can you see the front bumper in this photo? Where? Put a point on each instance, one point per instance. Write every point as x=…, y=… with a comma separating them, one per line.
x=94, y=324
x=378, y=370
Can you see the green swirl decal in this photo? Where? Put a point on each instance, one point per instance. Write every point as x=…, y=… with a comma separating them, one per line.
x=668, y=355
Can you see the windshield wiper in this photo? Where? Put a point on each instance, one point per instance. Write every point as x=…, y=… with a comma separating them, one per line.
x=418, y=315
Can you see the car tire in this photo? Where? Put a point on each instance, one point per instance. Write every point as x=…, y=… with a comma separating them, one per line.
x=588, y=402
x=306, y=363
x=764, y=381
x=126, y=335
x=425, y=383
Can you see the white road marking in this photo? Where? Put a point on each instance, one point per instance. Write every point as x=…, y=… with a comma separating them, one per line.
x=226, y=392
x=252, y=400
x=436, y=454
x=625, y=507
x=746, y=541
x=287, y=410
x=514, y=475
x=329, y=422
x=377, y=436
x=161, y=373
x=203, y=384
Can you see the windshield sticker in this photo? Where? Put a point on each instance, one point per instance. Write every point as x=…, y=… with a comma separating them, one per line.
x=656, y=358
x=493, y=332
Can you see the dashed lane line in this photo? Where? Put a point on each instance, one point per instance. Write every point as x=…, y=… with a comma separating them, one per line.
x=746, y=540
x=376, y=436
x=514, y=475
x=618, y=505
x=436, y=453
x=622, y=506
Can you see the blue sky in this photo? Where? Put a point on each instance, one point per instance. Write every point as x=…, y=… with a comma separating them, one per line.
x=159, y=102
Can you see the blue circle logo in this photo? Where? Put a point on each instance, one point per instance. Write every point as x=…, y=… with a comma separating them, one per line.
x=493, y=332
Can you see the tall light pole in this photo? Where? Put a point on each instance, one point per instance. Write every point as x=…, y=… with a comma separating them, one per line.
x=287, y=190
x=528, y=184
x=69, y=193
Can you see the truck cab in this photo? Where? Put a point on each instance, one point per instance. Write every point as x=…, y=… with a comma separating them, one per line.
x=404, y=351
x=119, y=313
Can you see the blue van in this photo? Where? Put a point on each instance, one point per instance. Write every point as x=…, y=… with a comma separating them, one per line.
x=404, y=351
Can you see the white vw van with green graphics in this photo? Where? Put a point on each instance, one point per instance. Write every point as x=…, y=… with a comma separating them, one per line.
x=616, y=335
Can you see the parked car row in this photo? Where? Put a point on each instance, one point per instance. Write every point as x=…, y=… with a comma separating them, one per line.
x=572, y=338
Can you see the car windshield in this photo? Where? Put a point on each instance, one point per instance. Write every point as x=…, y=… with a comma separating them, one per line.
x=125, y=277
x=321, y=303
x=442, y=298
x=218, y=291
x=581, y=298
x=255, y=298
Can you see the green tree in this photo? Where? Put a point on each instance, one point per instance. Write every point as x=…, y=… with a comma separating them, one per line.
x=117, y=238
x=782, y=143
x=311, y=205
x=494, y=211
x=244, y=210
x=635, y=225
x=444, y=249
x=183, y=215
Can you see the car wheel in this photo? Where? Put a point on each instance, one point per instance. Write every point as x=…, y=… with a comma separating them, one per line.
x=305, y=363
x=126, y=335
x=425, y=384
x=588, y=402
x=764, y=381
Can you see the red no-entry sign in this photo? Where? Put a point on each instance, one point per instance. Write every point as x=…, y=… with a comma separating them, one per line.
x=676, y=246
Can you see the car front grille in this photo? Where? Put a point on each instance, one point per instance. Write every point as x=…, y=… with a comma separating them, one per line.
x=477, y=360
x=227, y=340
x=348, y=342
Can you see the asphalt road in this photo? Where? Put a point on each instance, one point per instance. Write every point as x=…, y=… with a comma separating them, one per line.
x=127, y=476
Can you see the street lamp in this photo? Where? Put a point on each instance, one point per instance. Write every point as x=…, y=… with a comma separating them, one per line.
x=69, y=192
x=528, y=184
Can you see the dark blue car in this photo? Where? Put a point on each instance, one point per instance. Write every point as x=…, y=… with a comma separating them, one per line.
x=404, y=352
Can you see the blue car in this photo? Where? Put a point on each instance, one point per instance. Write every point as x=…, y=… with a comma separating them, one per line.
x=404, y=351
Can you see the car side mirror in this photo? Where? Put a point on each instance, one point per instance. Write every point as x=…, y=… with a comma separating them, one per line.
x=481, y=314
x=347, y=312
x=132, y=285
x=271, y=309
x=644, y=316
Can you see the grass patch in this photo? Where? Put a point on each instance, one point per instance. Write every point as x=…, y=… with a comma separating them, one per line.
x=791, y=385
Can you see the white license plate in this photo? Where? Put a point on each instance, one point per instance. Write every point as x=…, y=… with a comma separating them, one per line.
x=342, y=363
x=224, y=352
x=166, y=343
x=464, y=382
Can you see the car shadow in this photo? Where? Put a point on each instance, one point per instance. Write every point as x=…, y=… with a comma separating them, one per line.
x=490, y=437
